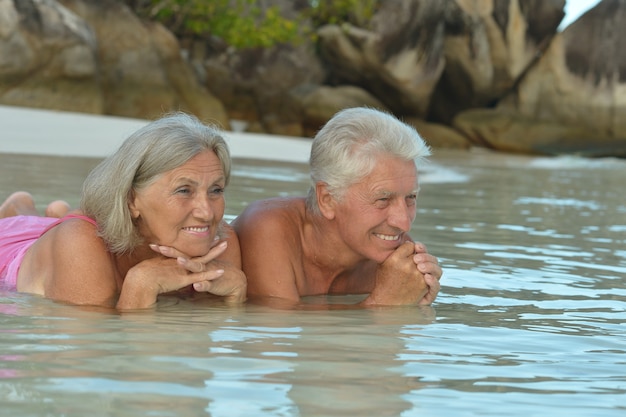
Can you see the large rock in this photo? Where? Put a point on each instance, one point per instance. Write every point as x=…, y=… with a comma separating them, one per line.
x=95, y=57
x=399, y=59
x=432, y=58
x=255, y=84
x=142, y=72
x=320, y=103
x=510, y=131
x=572, y=101
x=488, y=46
x=439, y=136
x=48, y=58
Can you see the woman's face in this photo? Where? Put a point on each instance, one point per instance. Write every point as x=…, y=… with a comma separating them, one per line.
x=183, y=207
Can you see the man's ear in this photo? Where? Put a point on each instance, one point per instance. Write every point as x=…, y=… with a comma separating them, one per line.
x=325, y=201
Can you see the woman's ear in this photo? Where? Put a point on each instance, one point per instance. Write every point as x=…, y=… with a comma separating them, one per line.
x=325, y=201
x=134, y=211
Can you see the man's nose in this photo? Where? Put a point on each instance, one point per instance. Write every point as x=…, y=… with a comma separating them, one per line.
x=401, y=215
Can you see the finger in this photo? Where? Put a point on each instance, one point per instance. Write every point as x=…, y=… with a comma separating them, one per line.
x=419, y=258
x=191, y=265
x=432, y=282
x=202, y=286
x=420, y=247
x=215, y=252
x=405, y=250
x=170, y=252
x=207, y=285
x=433, y=289
x=166, y=251
x=216, y=241
x=430, y=268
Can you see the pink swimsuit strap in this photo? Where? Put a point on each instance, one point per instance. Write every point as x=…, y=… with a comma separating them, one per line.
x=68, y=217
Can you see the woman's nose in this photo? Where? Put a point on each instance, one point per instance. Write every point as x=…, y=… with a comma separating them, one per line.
x=202, y=208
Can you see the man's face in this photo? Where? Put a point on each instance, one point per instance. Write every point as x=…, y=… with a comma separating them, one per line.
x=375, y=215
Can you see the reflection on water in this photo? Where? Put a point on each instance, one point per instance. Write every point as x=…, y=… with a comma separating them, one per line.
x=529, y=321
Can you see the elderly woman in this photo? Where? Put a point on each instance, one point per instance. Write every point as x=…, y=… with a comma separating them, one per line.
x=150, y=222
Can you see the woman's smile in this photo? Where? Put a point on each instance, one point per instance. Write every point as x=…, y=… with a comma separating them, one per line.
x=184, y=207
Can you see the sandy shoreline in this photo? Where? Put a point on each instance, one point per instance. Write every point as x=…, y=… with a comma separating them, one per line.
x=46, y=132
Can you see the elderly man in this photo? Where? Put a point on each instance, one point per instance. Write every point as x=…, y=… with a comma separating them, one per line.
x=350, y=234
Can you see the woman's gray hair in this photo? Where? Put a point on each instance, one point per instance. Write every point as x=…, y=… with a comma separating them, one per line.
x=158, y=147
x=346, y=149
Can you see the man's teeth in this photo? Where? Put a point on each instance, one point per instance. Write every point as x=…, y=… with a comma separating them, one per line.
x=388, y=237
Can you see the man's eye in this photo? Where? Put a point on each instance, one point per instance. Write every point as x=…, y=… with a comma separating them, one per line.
x=183, y=191
x=217, y=190
x=382, y=202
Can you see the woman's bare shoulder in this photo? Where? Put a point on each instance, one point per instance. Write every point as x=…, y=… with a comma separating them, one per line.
x=68, y=255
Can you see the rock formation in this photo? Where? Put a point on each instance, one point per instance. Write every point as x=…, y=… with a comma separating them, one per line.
x=491, y=73
x=95, y=56
x=573, y=100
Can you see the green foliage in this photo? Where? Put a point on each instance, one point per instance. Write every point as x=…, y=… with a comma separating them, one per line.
x=355, y=12
x=245, y=24
x=240, y=23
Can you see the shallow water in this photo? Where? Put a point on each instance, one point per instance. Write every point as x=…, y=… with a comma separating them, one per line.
x=529, y=320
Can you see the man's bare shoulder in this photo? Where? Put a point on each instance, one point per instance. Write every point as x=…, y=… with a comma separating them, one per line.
x=284, y=203
x=270, y=209
x=265, y=220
